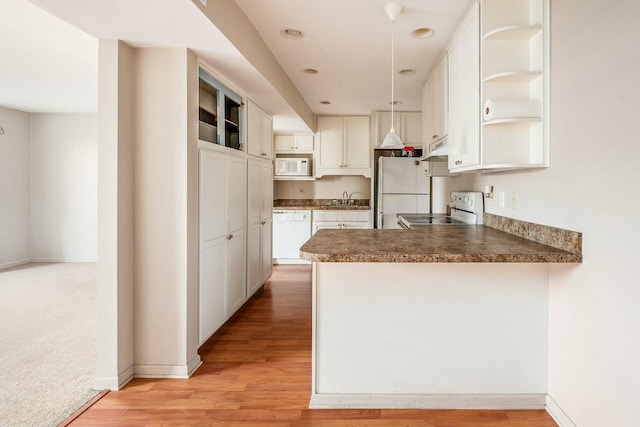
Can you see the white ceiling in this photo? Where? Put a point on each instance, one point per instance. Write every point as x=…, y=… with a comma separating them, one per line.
x=52, y=66
x=349, y=43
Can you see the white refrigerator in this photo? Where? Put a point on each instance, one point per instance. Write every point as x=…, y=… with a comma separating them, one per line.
x=402, y=188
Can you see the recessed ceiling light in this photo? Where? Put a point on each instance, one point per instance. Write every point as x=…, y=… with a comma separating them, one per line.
x=310, y=71
x=292, y=33
x=422, y=33
x=396, y=102
x=407, y=72
x=325, y=102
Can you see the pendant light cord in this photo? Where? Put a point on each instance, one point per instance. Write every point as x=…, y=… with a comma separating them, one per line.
x=392, y=62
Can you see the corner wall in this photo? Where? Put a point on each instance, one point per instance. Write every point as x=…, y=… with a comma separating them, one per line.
x=165, y=215
x=115, y=338
x=15, y=187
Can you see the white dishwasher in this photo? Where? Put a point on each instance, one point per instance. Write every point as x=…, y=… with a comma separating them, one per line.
x=291, y=229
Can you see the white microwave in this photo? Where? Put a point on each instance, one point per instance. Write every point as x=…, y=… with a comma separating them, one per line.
x=292, y=166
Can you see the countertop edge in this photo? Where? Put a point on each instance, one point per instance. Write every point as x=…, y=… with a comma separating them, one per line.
x=569, y=258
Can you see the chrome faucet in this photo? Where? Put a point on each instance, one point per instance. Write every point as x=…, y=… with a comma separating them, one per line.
x=345, y=195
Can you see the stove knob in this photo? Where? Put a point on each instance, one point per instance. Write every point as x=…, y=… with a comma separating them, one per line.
x=469, y=202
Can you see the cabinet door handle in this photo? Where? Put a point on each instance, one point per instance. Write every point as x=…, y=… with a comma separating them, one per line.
x=434, y=136
x=230, y=236
x=263, y=222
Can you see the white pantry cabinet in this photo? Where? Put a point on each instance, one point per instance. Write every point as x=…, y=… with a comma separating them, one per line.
x=464, y=94
x=259, y=219
x=259, y=132
x=343, y=146
x=222, y=225
x=407, y=124
x=294, y=144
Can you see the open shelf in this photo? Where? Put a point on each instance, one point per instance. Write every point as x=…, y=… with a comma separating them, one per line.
x=513, y=32
x=512, y=77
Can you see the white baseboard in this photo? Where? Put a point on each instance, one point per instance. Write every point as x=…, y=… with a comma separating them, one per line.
x=113, y=383
x=63, y=260
x=168, y=371
x=427, y=401
x=286, y=261
x=558, y=415
x=14, y=263
x=28, y=260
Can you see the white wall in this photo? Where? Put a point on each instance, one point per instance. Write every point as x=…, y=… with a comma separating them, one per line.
x=64, y=186
x=15, y=153
x=328, y=187
x=594, y=308
x=165, y=216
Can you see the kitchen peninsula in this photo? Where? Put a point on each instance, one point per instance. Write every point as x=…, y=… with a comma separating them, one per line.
x=442, y=317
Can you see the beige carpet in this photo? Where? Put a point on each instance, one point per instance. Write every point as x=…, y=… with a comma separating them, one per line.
x=47, y=342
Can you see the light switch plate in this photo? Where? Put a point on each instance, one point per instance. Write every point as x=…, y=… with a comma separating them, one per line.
x=502, y=199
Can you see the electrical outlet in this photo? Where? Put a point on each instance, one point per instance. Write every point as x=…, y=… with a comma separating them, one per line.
x=502, y=199
x=301, y=190
x=514, y=200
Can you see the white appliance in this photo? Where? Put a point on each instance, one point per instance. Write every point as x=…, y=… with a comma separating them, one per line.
x=467, y=206
x=292, y=166
x=402, y=188
x=466, y=209
x=291, y=229
x=438, y=151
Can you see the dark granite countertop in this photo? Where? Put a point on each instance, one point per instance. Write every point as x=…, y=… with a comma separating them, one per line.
x=438, y=243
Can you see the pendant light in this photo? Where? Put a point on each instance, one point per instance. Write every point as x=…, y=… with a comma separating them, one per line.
x=392, y=140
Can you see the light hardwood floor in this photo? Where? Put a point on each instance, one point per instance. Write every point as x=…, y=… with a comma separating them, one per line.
x=256, y=372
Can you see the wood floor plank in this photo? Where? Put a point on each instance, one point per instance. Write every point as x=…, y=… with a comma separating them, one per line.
x=257, y=372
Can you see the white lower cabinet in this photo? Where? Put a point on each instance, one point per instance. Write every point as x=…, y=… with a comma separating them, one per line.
x=222, y=274
x=267, y=253
x=340, y=219
x=236, y=292
x=212, y=294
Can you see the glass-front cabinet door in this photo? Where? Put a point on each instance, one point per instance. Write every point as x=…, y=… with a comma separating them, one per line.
x=219, y=113
x=232, y=123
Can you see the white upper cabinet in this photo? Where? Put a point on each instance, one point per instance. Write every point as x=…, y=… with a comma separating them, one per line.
x=219, y=113
x=464, y=94
x=259, y=132
x=294, y=144
x=437, y=96
x=514, y=90
x=407, y=124
x=412, y=128
x=343, y=146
